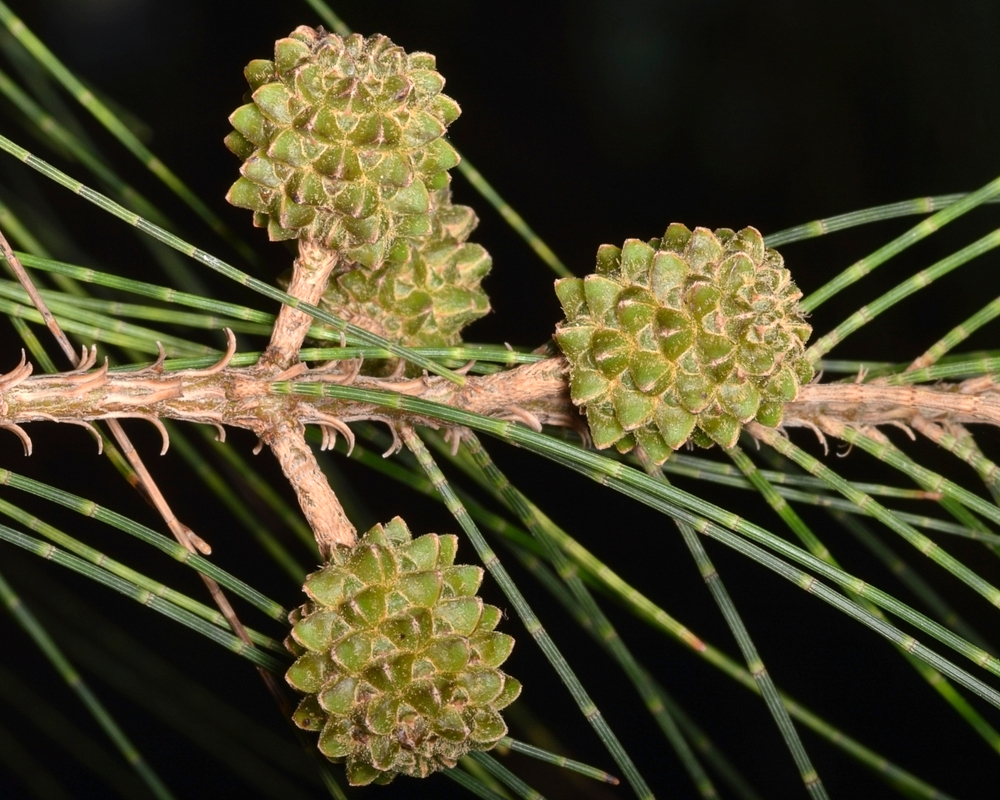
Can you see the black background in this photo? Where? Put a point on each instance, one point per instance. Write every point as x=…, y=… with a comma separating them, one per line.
x=597, y=121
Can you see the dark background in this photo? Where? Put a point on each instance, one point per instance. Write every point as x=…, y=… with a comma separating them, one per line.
x=597, y=121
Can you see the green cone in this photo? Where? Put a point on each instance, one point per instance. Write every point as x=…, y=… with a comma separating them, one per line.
x=343, y=143
x=684, y=338
x=426, y=292
x=398, y=658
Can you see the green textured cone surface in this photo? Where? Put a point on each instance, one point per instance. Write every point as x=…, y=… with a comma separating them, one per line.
x=342, y=142
x=683, y=338
x=426, y=292
x=398, y=657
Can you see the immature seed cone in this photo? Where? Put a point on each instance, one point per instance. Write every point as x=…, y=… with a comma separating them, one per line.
x=686, y=337
x=343, y=142
x=398, y=657
x=427, y=291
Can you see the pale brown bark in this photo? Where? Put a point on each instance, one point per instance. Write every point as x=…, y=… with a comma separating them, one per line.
x=310, y=275
x=319, y=504
x=534, y=394
x=243, y=398
x=867, y=404
x=223, y=396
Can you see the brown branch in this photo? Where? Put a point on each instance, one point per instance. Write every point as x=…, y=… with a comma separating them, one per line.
x=243, y=398
x=284, y=434
x=868, y=404
x=319, y=503
x=532, y=394
x=535, y=393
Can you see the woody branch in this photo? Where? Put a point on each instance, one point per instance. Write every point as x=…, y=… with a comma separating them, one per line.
x=223, y=396
x=241, y=397
x=535, y=394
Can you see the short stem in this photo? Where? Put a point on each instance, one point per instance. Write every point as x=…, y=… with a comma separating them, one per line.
x=319, y=503
x=310, y=275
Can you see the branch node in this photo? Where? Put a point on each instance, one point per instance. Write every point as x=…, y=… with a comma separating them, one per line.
x=196, y=541
x=9, y=380
x=87, y=359
x=87, y=381
x=293, y=371
x=454, y=436
x=90, y=428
